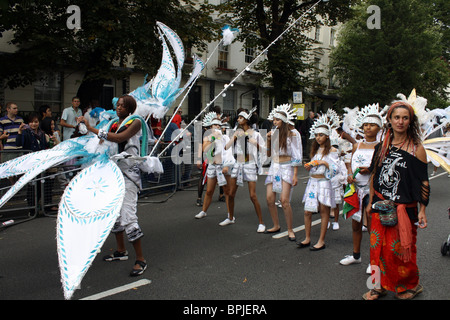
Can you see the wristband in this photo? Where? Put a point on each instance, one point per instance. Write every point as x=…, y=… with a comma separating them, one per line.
x=102, y=134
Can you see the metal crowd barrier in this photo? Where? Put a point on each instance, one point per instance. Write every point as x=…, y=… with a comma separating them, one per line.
x=43, y=193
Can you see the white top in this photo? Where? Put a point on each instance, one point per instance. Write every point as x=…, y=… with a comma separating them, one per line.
x=293, y=149
x=70, y=116
x=332, y=159
x=362, y=158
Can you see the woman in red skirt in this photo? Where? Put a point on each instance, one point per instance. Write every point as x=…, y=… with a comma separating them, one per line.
x=400, y=176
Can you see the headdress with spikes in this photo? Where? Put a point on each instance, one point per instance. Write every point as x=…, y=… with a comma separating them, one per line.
x=288, y=115
x=209, y=118
x=324, y=124
x=247, y=115
x=370, y=114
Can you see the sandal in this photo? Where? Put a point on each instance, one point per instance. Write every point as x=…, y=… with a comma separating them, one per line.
x=413, y=292
x=138, y=272
x=121, y=256
x=376, y=293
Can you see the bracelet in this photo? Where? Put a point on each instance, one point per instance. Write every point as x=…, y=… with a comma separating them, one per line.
x=102, y=134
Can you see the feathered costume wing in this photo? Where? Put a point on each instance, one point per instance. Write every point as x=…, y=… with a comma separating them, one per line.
x=431, y=121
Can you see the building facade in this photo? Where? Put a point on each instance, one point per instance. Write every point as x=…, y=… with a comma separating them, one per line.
x=225, y=63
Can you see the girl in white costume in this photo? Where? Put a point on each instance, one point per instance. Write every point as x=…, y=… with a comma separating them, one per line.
x=337, y=183
x=285, y=149
x=319, y=193
x=371, y=121
x=248, y=147
x=219, y=161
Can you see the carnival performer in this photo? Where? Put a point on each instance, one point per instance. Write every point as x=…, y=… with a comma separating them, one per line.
x=319, y=193
x=285, y=150
x=219, y=162
x=371, y=121
x=201, y=165
x=400, y=176
x=249, y=146
x=337, y=183
x=126, y=132
x=342, y=142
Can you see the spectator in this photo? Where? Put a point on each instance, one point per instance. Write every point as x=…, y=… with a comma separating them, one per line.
x=177, y=118
x=156, y=126
x=9, y=126
x=31, y=137
x=69, y=118
x=45, y=111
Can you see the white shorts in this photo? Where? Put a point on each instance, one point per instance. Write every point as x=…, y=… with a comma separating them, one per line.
x=244, y=172
x=215, y=171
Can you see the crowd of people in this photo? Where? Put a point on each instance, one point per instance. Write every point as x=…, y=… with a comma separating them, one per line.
x=390, y=177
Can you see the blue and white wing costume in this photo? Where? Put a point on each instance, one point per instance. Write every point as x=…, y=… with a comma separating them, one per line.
x=93, y=199
x=88, y=210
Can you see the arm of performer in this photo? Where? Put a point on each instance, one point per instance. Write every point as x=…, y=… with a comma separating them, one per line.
x=425, y=190
x=116, y=137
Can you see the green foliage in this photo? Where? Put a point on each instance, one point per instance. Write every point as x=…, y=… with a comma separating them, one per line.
x=374, y=65
x=288, y=60
x=111, y=32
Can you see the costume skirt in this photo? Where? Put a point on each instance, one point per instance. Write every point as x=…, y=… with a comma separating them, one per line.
x=215, y=171
x=339, y=195
x=386, y=257
x=244, y=172
x=318, y=191
x=279, y=172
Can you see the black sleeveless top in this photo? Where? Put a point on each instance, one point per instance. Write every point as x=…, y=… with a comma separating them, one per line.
x=400, y=178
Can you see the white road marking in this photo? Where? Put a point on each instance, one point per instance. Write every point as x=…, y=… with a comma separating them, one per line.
x=114, y=291
x=285, y=234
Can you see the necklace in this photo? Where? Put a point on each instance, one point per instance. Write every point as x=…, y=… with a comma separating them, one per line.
x=370, y=142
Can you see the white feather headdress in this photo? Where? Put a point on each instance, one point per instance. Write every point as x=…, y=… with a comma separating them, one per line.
x=288, y=115
x=247, y=115
x=324, y=124
x=370, y=114
x=209, y=118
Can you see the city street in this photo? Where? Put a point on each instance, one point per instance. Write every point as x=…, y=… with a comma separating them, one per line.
x=190, y=259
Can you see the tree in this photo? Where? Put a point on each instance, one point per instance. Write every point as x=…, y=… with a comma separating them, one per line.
x=288, y=62
x=374, y=65
x=111, y=32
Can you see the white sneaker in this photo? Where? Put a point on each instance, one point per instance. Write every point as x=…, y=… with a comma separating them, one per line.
x=433, y=173
x=335, y=225
x=278, y=204
x=349, y=260
x=200, y=215
x=226, y=222
x=261, y=228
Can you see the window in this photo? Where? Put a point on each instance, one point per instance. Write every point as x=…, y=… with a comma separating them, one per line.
x=316, y=67
x=332, y=36
x=223, y=57
x=47, y=90
x=317, y=34
x=228, y=100
x=249, y=54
